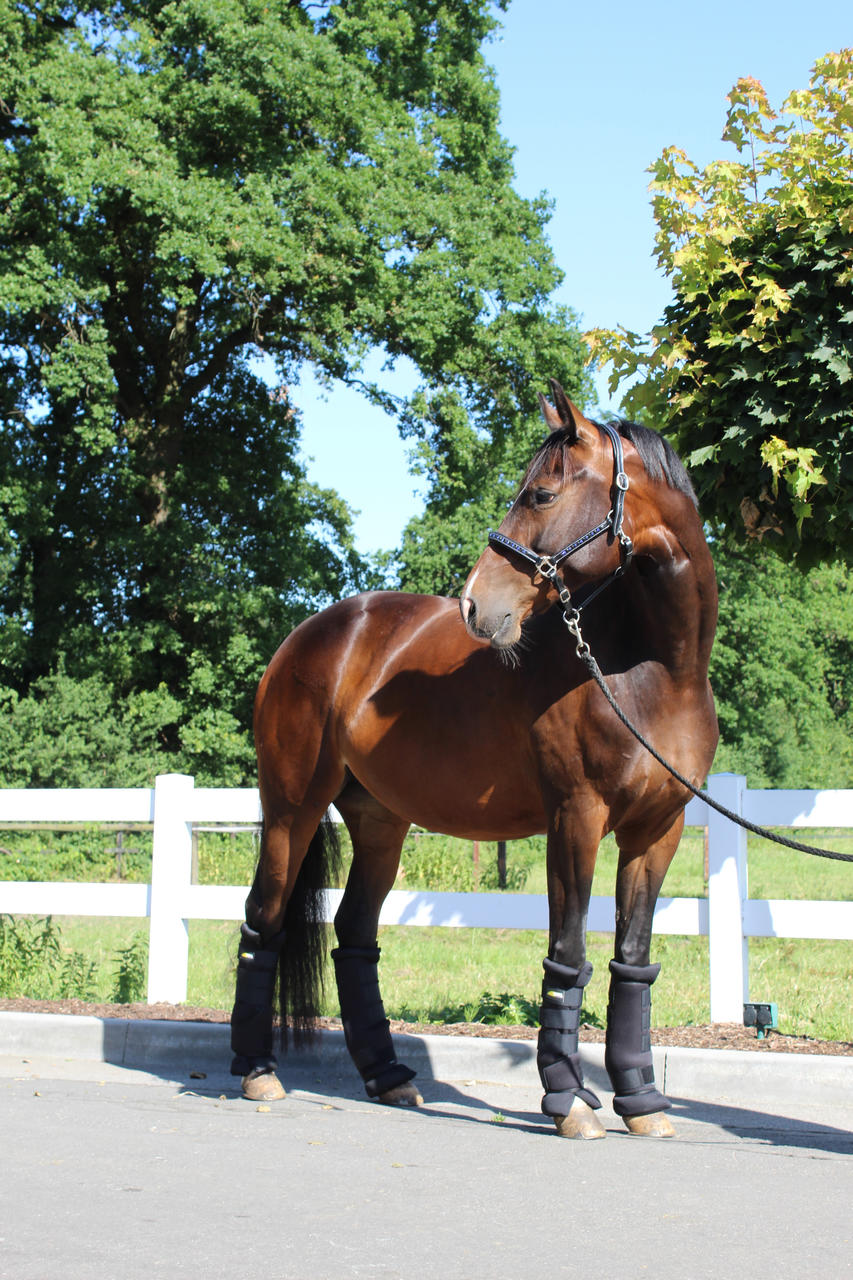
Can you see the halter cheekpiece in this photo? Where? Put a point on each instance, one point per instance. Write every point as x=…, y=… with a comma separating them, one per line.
x=549, y=566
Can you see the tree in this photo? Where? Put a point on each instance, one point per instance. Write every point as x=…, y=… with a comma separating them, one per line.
x=475, y=443
x=782, y=671
x=186, y=187
x=751, y=370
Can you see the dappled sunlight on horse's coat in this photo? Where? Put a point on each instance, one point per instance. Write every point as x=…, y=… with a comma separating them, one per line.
x=400, y=708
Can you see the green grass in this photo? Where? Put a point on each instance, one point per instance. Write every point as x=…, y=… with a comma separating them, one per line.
x=809, y=980
x=429, y=862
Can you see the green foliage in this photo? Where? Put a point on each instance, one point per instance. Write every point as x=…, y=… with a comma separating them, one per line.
x=34, y=963
x=445, y=864
x=131, y=978
x=227, y=858
x=473, y=448
x=504, y=1010
x=86, y=854
x=186, y=188
x=434, y=862
x=750, y=369
x=782, y=672
x=67, y=732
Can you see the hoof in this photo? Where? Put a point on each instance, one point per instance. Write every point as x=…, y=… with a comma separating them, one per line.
x=656, y=1125
x=581, y=1122
x=404, y=1095
x=263, y=1088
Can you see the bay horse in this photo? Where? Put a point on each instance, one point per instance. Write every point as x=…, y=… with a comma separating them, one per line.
x=476, y=718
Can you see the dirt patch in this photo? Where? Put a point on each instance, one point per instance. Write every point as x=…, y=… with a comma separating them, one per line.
x=723, y=1035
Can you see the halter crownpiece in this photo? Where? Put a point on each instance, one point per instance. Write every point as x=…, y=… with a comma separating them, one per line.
x=612, y=524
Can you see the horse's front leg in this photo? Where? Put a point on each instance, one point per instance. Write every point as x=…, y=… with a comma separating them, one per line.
x=572, y=847
x=377, y=838
x=628, y=1055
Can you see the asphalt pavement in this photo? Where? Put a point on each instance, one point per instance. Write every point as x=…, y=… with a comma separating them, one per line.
x=128, y=1153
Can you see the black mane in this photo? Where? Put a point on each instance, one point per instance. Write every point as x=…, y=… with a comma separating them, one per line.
x=658, y=456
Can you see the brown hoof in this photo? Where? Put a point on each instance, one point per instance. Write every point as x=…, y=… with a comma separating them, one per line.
x=581, y=1122
x=263, y=1088
x=404, y=1095
x=656, y=1125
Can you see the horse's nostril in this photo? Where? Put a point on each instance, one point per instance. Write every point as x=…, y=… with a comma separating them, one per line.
x=469, y=610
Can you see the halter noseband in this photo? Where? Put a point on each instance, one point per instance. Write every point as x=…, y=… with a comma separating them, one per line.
x=549, y=566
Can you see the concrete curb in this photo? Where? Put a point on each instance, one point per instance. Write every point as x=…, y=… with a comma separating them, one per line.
x=707, y=1074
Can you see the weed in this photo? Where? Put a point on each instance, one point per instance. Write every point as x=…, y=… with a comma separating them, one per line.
x=34, y=963
x=132, y=972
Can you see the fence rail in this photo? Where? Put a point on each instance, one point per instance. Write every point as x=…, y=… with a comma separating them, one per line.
x=174, y=806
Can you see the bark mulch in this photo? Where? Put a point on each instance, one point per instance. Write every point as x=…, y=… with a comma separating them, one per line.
x=724, y=1035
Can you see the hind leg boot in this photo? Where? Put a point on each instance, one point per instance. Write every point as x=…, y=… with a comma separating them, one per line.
x=366, y=1028
x=252, y=1017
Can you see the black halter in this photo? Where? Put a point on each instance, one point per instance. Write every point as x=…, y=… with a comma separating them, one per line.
x=549, y=566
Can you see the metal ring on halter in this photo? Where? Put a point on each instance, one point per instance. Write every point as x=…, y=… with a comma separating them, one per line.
x=545, y=565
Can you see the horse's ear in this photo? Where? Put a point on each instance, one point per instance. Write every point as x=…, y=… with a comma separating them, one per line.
x=562, y=414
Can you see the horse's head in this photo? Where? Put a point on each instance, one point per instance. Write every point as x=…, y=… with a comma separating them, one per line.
x=570, y=490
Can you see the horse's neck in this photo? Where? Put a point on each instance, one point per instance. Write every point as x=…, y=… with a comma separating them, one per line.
x=674, y=596
x=663, y=610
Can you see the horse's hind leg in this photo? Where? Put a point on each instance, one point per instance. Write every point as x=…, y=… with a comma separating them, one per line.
x=628, y=1055
x=263, y=950
x=377, y=838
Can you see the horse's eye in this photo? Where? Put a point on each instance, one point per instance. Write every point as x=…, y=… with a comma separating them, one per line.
x=542, y=497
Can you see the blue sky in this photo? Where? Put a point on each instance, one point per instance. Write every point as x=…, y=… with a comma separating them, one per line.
x=590, y=96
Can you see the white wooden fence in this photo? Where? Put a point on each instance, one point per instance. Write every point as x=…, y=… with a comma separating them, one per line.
x=174, y=805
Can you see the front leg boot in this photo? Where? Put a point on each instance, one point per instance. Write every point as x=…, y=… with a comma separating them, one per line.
x=628, y=1053
x=566, y=1098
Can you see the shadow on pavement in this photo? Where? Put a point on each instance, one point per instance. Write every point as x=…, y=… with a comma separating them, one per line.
x=764, y=1126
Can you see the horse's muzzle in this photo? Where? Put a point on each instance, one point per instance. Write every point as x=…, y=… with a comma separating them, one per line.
x=500, y=630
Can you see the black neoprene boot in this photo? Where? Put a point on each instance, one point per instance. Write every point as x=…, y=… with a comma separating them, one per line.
x=251, y=1017
x=557, y=1054
x=628, y=1055
x=366, y=1029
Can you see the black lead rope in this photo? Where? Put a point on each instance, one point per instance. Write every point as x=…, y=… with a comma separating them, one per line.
x=584, y=653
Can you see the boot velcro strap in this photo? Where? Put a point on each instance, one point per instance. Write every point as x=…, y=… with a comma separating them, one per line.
x=560, y=1104
x=255, y=986
x=642, y=1103
x=631, y=1079
x=380, y=1078
x=559, y=1019
x=562, y=1075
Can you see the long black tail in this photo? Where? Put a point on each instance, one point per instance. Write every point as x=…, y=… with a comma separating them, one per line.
x=302, y=960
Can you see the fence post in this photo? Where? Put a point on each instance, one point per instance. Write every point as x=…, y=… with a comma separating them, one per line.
x=168, y=954
x=727, y=891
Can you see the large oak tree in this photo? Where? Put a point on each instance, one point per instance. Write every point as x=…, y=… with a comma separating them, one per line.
x=186, y=187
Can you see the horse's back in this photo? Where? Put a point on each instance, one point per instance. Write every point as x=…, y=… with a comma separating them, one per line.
x=363, y=630
x=391, y=687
